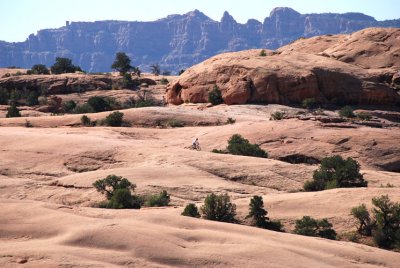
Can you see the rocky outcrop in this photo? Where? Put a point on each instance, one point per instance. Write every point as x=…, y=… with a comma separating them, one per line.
x=175, y=42
x=289, y=76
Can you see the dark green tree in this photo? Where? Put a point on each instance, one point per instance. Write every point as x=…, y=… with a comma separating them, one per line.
x=99, y=104
x=336, y=172
x=365, y=224
x=64, y=65
x=39, y=69
x=218, y=208
x=387, y=216
x=215, y=96
x=158, y=200
x=69, y=106
x=191, y=211
x=118, y=191
x=237, y=145
x=257, y=212
x=32, y=98
x=114, y=119
x=122, y=63
x=13, y=111
x=311, y=227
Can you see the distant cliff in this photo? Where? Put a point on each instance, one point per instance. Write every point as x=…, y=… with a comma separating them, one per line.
x=177, y=41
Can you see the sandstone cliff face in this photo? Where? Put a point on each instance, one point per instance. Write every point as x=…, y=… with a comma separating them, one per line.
x=175, y=42
x=289, y=76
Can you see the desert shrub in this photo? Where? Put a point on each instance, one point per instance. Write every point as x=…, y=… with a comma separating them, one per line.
x=38, y=69
x=99, y=103
x=336, y=172
x=346, y=111
x=218, y=208
x=308, y=103
x=230, y=120
x=69, y=106
x=364, y=116
x=118, y=191
x=32, y=98
x=86, y=121
x=215, y=96
x=277, y=115
x=191, y=211
x=217, y=151
x=158, y=200
x=122, y=63
x=28, y=123
x=259, y=215
x=83, y=109
x=181, y=72
x=114, y=119
x=237, y=145
x=64, y=65
x=365, y=224
x=386, y=232
x=263, y=53
x=164, y=81
x=309, y=226
x=175, y=123
x=13, y=111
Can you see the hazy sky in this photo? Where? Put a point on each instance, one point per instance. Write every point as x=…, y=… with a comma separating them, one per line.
x=19, y=18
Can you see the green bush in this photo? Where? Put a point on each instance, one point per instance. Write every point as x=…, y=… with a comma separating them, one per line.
x=347, y=111
x=175, y=123
x=230, y=120
x=365, y=224
x=114, y=119
x=38, y=69
x=32, y=98
x=64, y=65
x=85, y=120
x=13, y=111
x=263, y=53
x=83, y=109
x=191, y=211
x=122, y=63
x=69, y=106
x=164, y=81
x=364, y=116
x=237, y=145
x=277, y=115
x=118, y=191
x=99, y=104
x=308, y=103
x=311, y=227
x=386, y=232
x=259, y=215
x=218, y=208
x=336, y=172
x=215, y=96
x=158, y=200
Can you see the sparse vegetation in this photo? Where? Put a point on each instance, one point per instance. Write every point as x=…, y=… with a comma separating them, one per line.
x=122, y=63
x=118, y=191
x=218, y=208
x=364, y=116
x=384, y=226
x=263, y=53
x=13, y=111
x=99, y=103
x=259, y=215
x=191, y=211
x=347, y=111
x=28, y=123
x=309, y=226
x=38, y=69
x=158, y=200
x=114, y=119
x=86, y=121
x=215, y=96
x=69, y=106
x=64, y=65
x=164, y=81
x=230, y=120
x=308, y=103
x=237, y=145
x=277, y=115
x=175, y=123
x=336, y=172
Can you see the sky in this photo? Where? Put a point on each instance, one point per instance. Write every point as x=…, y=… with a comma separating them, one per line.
x=20, y=18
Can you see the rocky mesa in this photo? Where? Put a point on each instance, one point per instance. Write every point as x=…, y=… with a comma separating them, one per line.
x=360, y=68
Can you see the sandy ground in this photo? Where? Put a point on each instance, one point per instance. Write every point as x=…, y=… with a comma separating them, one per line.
x=47, y=171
